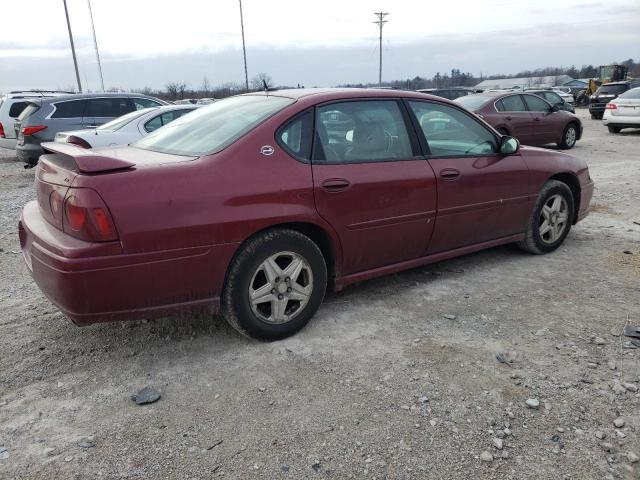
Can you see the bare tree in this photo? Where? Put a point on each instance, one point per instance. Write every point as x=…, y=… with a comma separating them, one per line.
x=181, y=88
x=172, y=89
x=260, y=80
x=205, y=88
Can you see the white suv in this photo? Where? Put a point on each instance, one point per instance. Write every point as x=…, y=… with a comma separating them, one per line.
x=11, y=105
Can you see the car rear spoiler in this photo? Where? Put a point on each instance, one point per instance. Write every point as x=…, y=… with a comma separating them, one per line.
x=87, y=161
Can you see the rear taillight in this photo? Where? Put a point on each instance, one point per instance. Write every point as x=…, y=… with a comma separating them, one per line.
x=1, y=131
x=611, y=106
x=86, y=216
x=80, y=142
x=27, y=131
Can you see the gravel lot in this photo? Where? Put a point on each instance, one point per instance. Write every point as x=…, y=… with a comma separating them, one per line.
x=395, y=378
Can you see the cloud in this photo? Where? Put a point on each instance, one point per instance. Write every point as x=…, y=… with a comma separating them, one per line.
x=503, y=51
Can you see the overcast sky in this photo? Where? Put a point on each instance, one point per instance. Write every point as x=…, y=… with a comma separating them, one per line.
x=314, y=43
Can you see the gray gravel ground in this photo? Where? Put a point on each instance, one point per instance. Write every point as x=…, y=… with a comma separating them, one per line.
x=395, y=378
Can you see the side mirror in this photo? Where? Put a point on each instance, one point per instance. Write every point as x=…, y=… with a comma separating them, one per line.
x=509, y=145
x=554, y=108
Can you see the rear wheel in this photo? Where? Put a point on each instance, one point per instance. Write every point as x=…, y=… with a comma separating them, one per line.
x=275, y=284
x=614, y=129
x=551, y=220
x=569, y=137
x=503, y=131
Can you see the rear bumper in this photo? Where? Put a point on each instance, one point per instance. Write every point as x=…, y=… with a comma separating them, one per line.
x=621, y=121
x=9, y=143
x=597, y=108
x=96, y=282
x=29, y=153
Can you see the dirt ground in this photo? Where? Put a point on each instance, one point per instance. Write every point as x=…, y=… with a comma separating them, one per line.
x=395, y=378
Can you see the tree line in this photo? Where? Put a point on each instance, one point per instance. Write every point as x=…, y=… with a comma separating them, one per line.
x=177, y=90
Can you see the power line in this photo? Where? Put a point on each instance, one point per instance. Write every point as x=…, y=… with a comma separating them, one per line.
x=244, y=49
x=95, y=43
x=73, y=48
x=380, y=22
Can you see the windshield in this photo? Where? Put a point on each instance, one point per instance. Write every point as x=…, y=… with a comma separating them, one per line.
x=473, y=102
x=214, y=127
x=633, y=94
x=611, y=89
x=120, y=122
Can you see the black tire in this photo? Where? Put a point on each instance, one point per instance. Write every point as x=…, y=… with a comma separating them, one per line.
x=614, y=129
x=534, y=241
x=569, y=139
x=503, y=131
x=235, y=304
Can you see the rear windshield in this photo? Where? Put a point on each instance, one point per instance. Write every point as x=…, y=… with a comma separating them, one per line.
x=123, y=120
x=473, y=102
x=633, y=94
x=611, y=89
x=16, y=109
x=212, y=128
x=30, y=109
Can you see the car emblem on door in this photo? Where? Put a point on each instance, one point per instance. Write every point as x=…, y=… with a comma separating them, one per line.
x=267, y=150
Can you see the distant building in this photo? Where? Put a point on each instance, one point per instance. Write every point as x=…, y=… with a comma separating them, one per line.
x=524, y=82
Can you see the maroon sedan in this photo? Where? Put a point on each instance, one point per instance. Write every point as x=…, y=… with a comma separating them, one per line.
x=255, y=205
x=529, y=118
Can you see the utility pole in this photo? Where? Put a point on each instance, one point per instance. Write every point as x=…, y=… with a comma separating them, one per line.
x=244, y=49
x=95, y=44
x=380, y=22
x=73, y=48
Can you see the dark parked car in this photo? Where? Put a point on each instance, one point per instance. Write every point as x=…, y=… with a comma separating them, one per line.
x=529, y=118
x=450, y=93
x=43, y=118
x=605, y=93
x=248, y=206
x=554, y=99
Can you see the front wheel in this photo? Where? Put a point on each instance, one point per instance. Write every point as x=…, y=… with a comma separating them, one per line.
x=569, y=137
x=551, y=220
x=613, y=129
x=275, y=284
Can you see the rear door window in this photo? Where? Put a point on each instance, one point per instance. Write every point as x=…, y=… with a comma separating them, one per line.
x=70, y=109
x=108, y=107
x=611, y=89
x=16, y=109
x=163, y=119
x=513, y=103
x=361, y=131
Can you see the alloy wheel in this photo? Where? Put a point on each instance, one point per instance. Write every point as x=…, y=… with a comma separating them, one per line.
x=570, y=137
x=281, y=287
x=553, y=219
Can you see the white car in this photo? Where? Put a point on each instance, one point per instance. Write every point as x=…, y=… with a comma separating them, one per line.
x=623, y=111
x=11, y=106
x=566, y=96
x=125, y=129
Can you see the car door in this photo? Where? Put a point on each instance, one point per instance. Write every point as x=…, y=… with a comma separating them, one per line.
x=512, y=112
x=546, y=127
x=104, y=109
x=371, y=184
x=482, y=194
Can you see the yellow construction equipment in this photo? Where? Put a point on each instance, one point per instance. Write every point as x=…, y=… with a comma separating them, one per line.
x=606, y=74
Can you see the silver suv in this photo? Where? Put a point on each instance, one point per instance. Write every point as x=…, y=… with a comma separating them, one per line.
x=11, y=106
x=43, y=118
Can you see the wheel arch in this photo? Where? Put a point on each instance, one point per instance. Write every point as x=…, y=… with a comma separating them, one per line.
x=326, y=240
x=574, y=185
